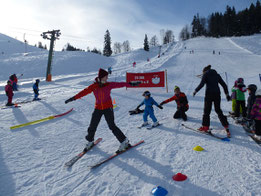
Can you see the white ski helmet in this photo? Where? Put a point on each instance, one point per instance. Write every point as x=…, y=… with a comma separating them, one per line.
x=258, y=92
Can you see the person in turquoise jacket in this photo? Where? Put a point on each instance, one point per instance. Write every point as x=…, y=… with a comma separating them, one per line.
x=149, y=102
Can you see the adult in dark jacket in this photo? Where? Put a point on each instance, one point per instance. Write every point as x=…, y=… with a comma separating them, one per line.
x=251, y=98
x=211, y=78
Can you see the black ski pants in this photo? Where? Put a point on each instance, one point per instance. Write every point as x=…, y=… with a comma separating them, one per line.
x=243, y=106
x=180, y=113
x=109, y=117
x=216, y=99
x=258, y=127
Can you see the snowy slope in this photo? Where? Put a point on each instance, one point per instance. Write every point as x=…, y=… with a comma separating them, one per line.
x=32, y=158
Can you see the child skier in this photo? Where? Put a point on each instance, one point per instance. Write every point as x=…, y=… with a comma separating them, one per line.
x=149, y=102
x=36, y=90
x=182, y=103
x=9, y=93
x=240, y=97
x=103, y=106
x=14, y=80
x=256, y=115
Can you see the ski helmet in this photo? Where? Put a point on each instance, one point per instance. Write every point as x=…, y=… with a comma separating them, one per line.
x=240, y=80
x=258, y=92
x=252, y=87
x=176, y=87
x=37, y=80
x=146, y=93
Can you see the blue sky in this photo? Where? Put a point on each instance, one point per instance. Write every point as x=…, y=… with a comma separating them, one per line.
x=84, y=22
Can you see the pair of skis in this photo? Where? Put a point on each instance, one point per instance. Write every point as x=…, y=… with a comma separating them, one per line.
x=149, y=128
x=206, y=133
x=80, y=155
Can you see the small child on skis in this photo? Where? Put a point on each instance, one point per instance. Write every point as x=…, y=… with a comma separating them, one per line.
x=182, y=103
x=240, y=97
x=9, y=93
x=36, y=90
x=256, y=115
x=250, y=102
x=149, y=102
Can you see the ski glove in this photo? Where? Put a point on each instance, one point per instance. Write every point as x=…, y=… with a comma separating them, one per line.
x=134, y=83
x=162, y=103
x=69, y=100
x=228, y=97
x=160, y=107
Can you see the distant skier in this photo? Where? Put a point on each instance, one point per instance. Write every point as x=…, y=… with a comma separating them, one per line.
x=109, y=70
x=240, y=97
x=149, y=102
x=182, y=103
x=36, y=90
x=256, y=115
x=101, y=89
x=211, y=78
x=9, y=93
x=134, y=64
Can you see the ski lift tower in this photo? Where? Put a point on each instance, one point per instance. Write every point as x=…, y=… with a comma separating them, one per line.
x=51, y=35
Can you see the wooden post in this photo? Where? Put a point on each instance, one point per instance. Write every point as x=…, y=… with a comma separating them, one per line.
x=166, y=80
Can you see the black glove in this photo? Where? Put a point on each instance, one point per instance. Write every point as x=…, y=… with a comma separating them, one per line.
x=160, y=107
x=162, y=103
x=135, y=83
x=137, y=108
x=228, y=98
x=69, y=100
x=194, y=93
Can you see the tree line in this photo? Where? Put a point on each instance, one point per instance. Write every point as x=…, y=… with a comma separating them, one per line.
x=229, y=23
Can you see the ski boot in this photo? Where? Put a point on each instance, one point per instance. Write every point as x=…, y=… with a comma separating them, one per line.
x=204, y=129
x=155, y=124
x=228, y=132
x=257, y=137
x=89, y=145
x=123, y=146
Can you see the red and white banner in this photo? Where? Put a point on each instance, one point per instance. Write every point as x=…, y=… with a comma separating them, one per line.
x=153, y=79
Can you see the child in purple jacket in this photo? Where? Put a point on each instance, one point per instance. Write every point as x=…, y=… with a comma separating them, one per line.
x=256, y=115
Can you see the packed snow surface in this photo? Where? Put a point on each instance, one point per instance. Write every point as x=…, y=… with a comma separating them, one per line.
x=32, y=158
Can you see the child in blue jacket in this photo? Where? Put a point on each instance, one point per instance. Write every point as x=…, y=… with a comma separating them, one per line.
x=149, y=102
x=36, y=90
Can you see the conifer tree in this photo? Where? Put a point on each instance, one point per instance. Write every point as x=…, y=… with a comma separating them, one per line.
x=146, y=43
x=107, y=51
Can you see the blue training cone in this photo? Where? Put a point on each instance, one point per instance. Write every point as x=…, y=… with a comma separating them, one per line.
x=159, y=191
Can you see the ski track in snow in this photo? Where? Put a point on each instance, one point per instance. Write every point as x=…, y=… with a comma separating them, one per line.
x=32, y=158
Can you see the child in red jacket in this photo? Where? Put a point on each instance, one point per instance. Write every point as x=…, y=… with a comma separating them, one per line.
x=9, y=93
x=182, y=103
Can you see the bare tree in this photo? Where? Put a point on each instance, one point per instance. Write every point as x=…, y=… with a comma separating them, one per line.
x=154, y=41
x=117, y=48
x=169, y=37
x=126, y=46
x=185, y=33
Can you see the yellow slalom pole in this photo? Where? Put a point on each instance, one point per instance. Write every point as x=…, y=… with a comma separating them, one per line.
x=32, y=123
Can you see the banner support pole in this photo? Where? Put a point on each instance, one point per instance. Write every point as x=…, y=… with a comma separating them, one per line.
x=166, y=80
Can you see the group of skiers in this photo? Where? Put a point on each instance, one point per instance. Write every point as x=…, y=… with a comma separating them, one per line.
x=101, y=89
x=12, y=86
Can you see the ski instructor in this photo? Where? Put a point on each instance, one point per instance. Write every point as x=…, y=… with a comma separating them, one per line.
x=211, y=78
x=103, y=106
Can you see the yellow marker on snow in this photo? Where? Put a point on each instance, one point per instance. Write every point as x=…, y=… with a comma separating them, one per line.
x=198, y=148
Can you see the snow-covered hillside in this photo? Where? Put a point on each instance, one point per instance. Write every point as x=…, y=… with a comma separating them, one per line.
x=32, y=158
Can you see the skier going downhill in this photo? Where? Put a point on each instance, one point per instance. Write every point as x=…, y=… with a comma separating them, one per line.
x=149, y=102
x=101, y=89
x=212, y=95
x=182, y=103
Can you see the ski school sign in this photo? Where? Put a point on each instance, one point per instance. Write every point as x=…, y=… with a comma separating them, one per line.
x=152, y=79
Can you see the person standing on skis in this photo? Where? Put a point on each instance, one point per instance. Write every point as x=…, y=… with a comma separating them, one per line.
x=212, y=95
x=36, y=90
x=9, y=93
x=182, y=103
x=149, y=102
x=101, y=89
